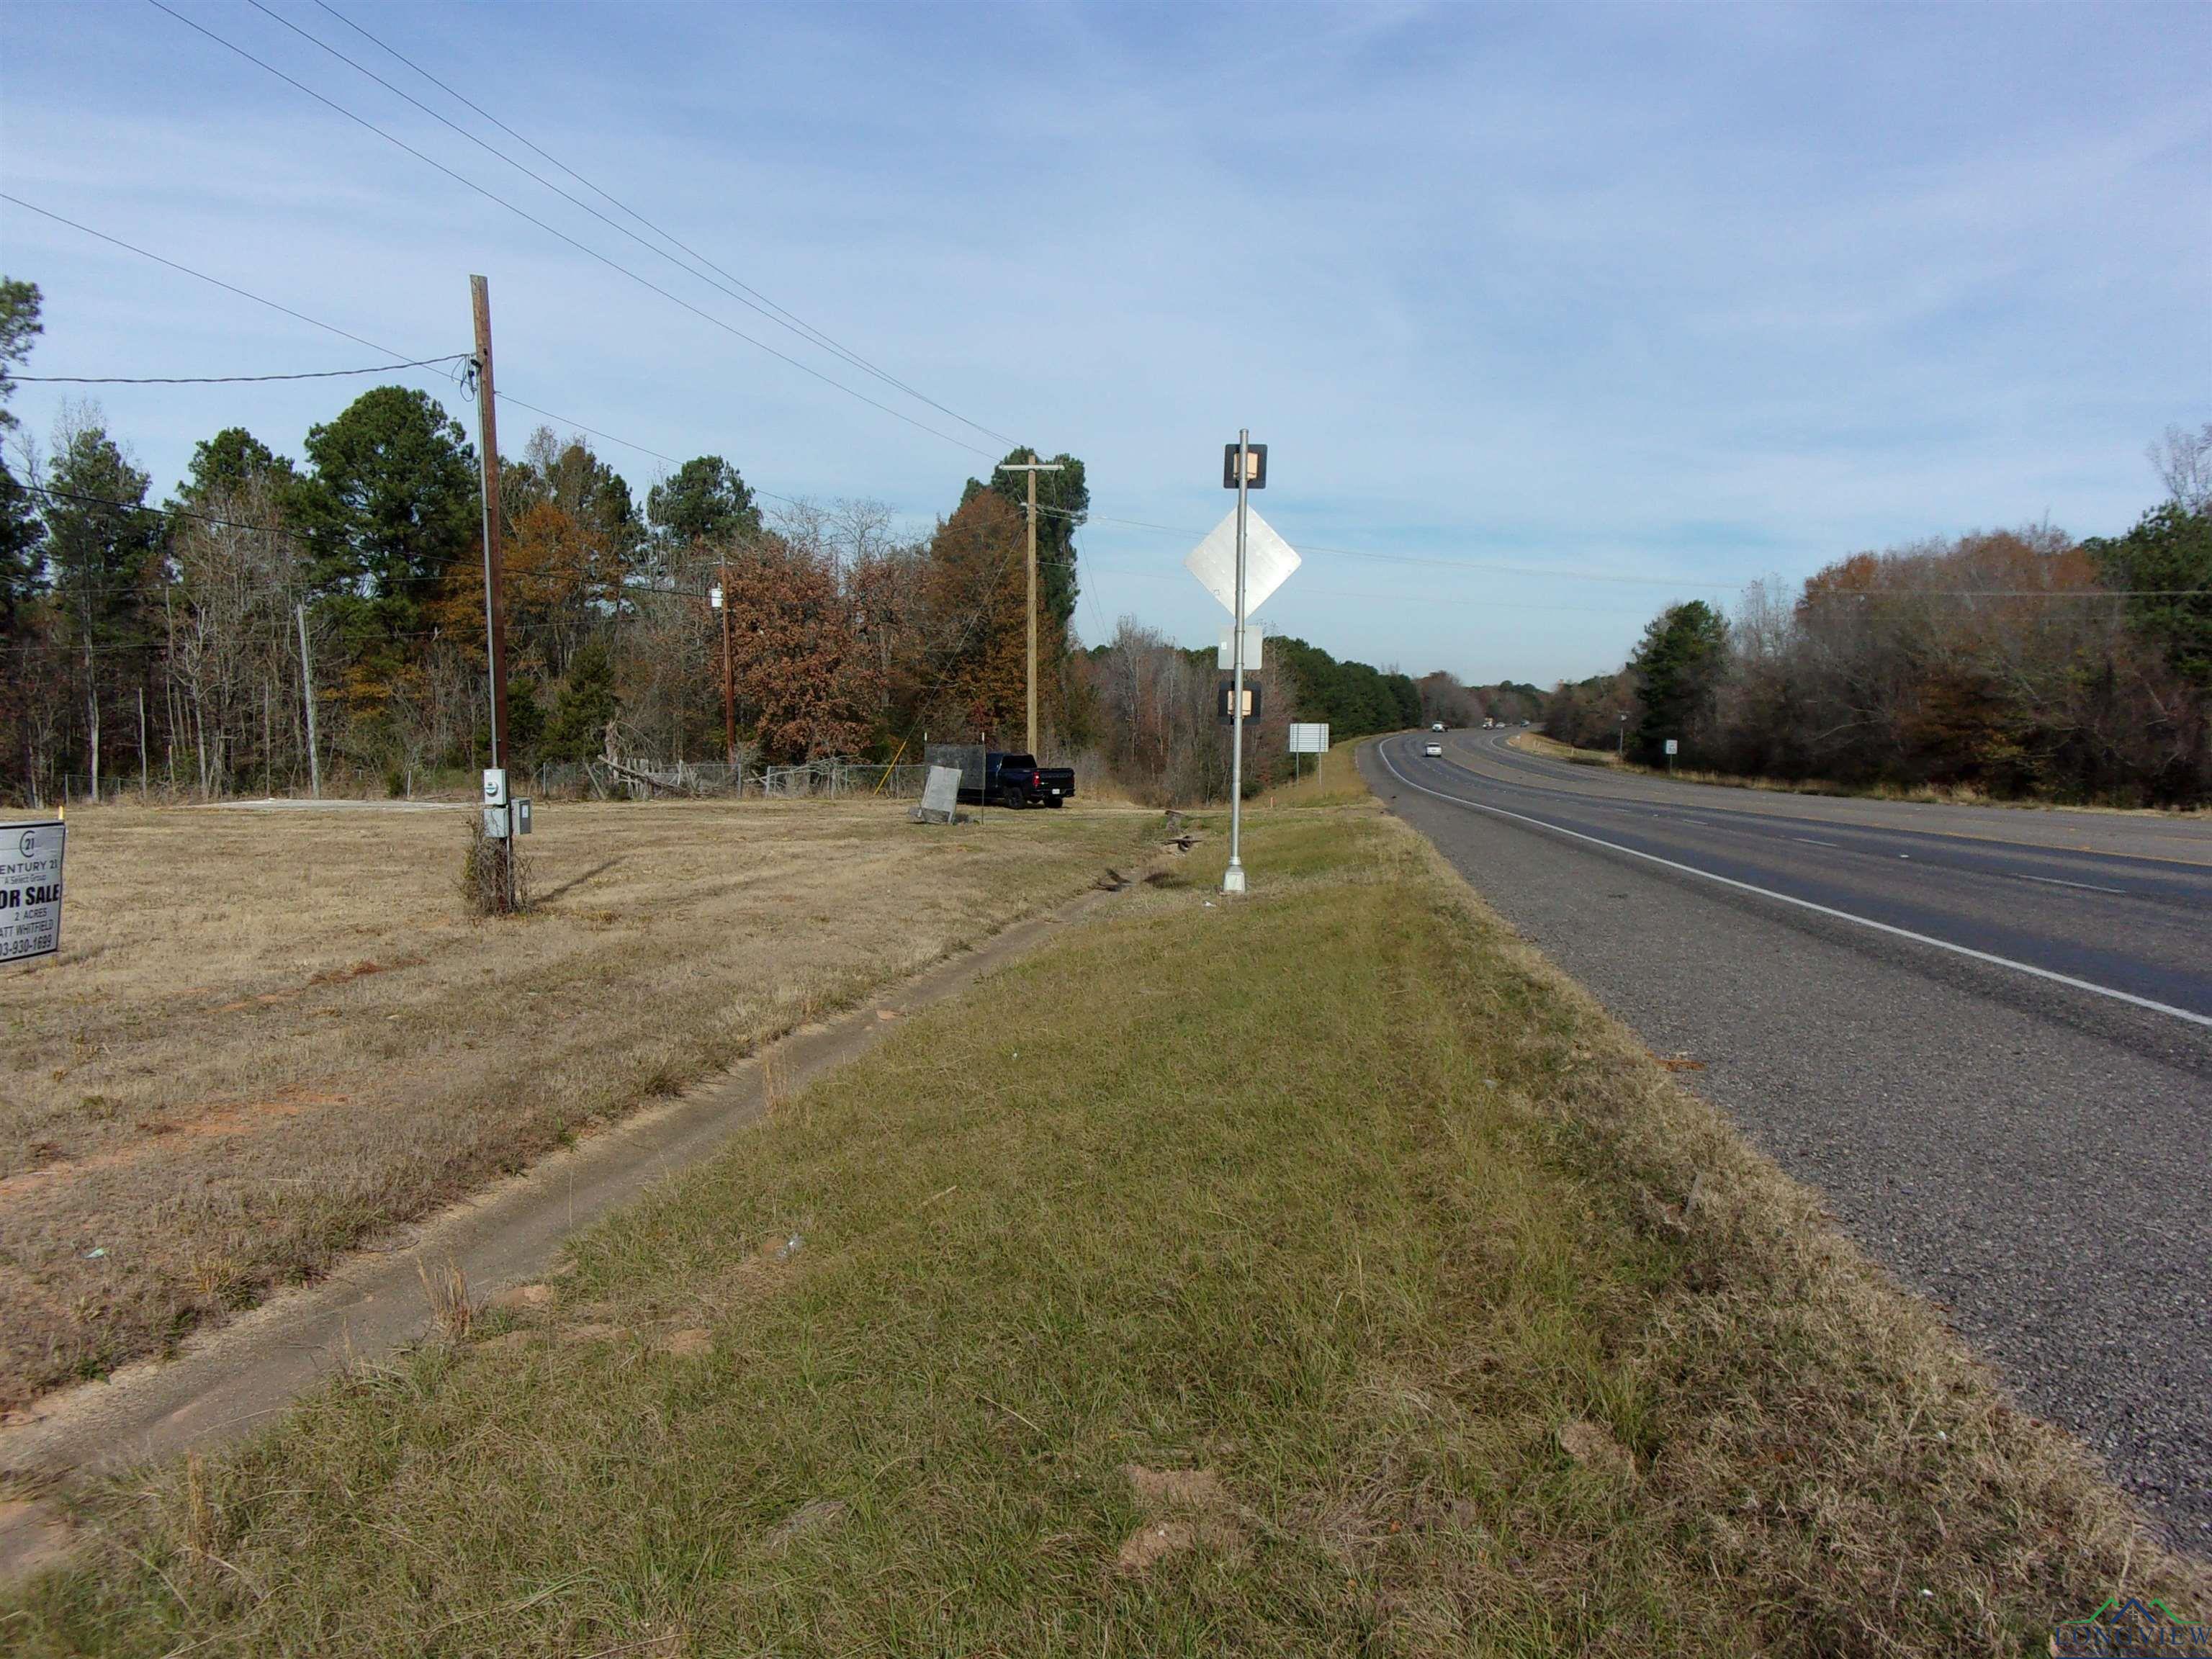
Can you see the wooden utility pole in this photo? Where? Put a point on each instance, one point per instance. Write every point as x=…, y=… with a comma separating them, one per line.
x=307, y=695
x=729, y=677
x=1032, y=468
x=494, y=566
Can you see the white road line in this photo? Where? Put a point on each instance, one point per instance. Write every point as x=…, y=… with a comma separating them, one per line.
x=2053, y=881
x=1810, y=842
x=1807, y=904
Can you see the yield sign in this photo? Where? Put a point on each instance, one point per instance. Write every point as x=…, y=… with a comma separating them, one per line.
x=1268, y=561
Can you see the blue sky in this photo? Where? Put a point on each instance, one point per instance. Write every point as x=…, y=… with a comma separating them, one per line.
x=1642, y=303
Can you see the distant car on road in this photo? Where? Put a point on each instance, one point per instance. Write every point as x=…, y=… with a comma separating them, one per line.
x=1438, y=726
x=1433, y=750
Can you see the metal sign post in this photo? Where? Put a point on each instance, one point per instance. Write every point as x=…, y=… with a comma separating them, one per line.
x=1233, y=880
x=1260, y=563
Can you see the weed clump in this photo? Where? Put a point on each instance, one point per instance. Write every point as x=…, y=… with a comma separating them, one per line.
x=487, y=887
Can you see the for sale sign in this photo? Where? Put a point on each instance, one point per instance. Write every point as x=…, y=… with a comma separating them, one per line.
x=30, y=888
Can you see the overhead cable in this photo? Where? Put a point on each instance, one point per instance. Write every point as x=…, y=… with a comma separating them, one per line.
x=734, y=287
x=233, y=380
x=200, y=276
x=581, y=247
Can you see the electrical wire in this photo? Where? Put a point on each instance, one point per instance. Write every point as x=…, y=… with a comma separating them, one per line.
x=200, y=276
x=231, y=379
x=584, y=248
x=504, y=395
x=400, y=363
x=737, y=290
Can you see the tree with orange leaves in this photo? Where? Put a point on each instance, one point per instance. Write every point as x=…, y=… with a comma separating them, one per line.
x=976, y=641
x=808, y=681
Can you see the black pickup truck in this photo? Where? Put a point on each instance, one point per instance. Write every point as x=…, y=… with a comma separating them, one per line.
x=988, y=778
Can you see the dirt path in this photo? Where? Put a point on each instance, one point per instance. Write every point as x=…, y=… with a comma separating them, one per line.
x=224, y=1383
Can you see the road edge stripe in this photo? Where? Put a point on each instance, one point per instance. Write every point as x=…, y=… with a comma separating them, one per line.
x=2167, y=1008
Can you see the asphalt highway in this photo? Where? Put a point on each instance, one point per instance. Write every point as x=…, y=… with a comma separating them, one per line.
x=1985, y=1033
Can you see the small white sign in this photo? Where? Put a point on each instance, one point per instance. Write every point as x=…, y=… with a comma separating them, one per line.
x=495, y=785
x=1227, y=653
x=30, y=888
x=1268, y=561
x=1310, y=739
x=522, y=815
x=941, y=794
x=1670, y=745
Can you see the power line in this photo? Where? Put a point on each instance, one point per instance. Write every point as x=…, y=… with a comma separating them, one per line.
x=734, y=287
x=581, y=247
x=200, y=276
x=503, y=396
x=399, y=362
x=230, y=379
x=331, y=328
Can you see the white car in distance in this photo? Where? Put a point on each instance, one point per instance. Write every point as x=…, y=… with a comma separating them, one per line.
x=1433, y=750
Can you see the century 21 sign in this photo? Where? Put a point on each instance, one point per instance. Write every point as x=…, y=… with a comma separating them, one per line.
x=30, y=888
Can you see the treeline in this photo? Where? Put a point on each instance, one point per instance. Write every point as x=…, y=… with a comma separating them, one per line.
x=2021, y=664
x=1355, y=698
x=1511, y=703
x=185, y=643
x=186, y=646
x=1149, y=710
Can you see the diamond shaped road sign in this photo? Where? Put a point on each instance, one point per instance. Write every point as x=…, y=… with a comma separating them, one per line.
x=1268, y=561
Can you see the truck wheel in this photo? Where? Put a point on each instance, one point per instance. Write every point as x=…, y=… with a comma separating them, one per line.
x=1012, y=799
x=1057, y=803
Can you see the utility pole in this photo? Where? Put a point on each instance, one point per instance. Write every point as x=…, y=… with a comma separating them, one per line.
x=1032, y=468
x=721, y=596
x=495, y=565
x=307, y=691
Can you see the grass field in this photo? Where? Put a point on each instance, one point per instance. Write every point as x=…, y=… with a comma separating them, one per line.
x=1319, y=1273
x=1330, y=780
x=272, y=1034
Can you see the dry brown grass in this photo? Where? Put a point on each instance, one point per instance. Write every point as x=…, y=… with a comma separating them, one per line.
x=272, y=1034
x=1551, y=748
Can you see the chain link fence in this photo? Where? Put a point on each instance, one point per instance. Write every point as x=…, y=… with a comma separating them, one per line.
x=596, y=780
x=641, y=780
